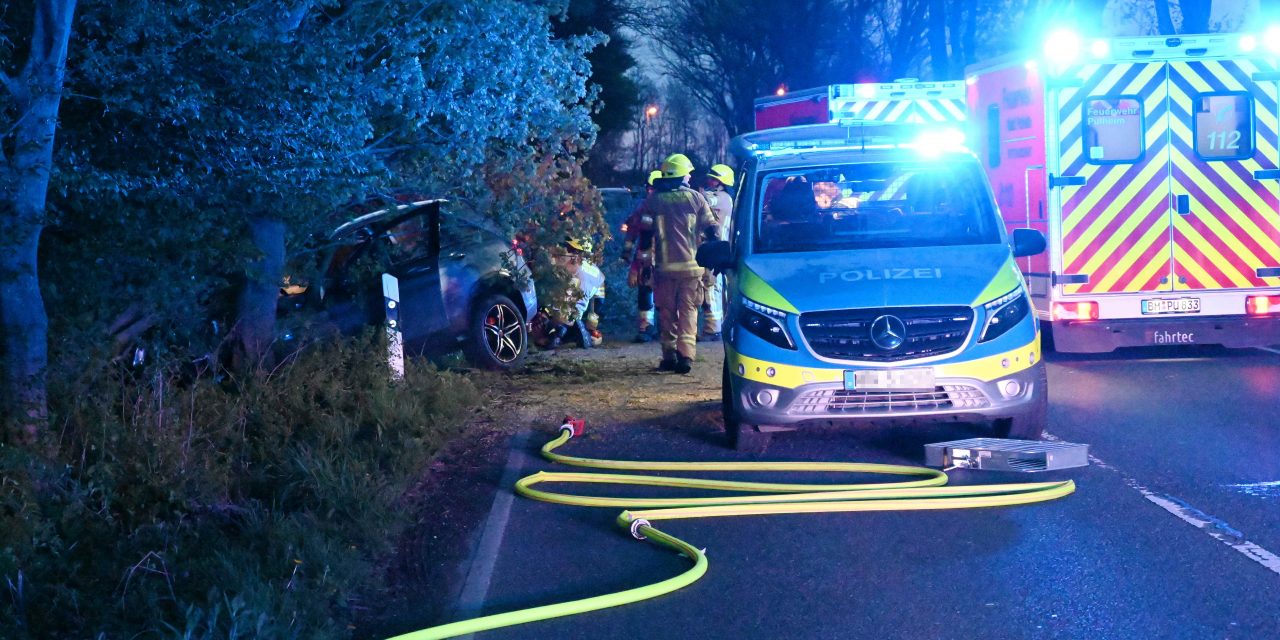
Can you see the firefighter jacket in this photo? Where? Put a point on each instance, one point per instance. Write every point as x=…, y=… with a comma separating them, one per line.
x=682, y=220
x=721, y=204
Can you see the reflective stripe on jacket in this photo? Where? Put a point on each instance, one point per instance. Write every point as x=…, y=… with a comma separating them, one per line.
x=681, y=216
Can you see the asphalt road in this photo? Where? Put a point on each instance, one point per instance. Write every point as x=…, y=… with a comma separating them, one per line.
x=1172, y=533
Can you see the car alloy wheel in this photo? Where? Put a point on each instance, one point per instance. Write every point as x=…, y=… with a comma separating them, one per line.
x=502, y=330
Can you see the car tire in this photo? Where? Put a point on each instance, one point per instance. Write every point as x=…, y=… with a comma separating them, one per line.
x=497, y=338
x=742, y=436
x=1032, y=424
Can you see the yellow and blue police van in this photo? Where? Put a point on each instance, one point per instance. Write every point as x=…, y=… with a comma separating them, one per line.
x=870, y=277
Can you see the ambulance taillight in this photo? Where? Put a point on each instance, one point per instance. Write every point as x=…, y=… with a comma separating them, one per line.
x=1262, y=305
x=1075, y=311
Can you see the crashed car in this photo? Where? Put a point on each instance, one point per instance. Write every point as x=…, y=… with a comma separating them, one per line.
x=461, y=283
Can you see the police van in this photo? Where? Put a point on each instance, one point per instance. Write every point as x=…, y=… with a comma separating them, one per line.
x=870, y=277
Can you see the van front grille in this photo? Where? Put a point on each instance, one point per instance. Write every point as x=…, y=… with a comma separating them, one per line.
x=820, y=401
x=847, y=334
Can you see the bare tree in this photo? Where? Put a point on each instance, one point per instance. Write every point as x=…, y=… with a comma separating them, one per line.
x=32, y=96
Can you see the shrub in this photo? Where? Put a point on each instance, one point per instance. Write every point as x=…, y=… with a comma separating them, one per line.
x=256, y=508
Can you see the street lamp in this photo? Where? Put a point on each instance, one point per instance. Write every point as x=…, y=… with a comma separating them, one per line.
x=650, y=112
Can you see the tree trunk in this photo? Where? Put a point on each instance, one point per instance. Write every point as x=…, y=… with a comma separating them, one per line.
x=939, y=58
x=256, y=307
x=25, y=327
x=24, y=185
x=1164, y=18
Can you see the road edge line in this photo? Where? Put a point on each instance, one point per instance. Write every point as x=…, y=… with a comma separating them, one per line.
x=485, y=558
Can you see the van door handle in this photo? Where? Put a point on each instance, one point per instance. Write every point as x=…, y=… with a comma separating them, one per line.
x=1184, y=204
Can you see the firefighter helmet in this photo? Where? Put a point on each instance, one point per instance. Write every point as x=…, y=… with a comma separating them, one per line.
x=676, y=165
x=654, y=175
x=723, y=173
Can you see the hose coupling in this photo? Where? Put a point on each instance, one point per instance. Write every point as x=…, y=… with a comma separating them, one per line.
x=575, y=427
x=635, y=528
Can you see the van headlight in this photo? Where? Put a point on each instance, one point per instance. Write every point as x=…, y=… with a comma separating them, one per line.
x=766, y=322
x=1004, y=313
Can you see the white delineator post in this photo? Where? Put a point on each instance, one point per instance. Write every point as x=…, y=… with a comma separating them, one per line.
x=395, y=340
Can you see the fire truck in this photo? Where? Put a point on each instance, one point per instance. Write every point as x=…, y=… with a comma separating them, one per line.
x=904, y=101
x=1150, y=164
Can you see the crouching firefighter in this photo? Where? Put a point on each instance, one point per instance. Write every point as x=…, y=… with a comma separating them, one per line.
x=681, y=220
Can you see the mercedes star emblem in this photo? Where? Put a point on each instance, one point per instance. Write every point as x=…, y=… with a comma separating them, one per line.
x=888, y=332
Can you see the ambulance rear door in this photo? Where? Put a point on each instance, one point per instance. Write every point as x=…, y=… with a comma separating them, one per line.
x=1223, y=125
x=1110, y=178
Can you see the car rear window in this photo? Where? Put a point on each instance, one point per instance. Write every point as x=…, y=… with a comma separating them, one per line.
x=874, y=206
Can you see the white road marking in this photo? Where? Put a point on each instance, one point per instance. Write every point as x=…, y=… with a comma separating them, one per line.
x=1259, y=489
x=1214, y=527
x=480, y=574
x=1275, y=351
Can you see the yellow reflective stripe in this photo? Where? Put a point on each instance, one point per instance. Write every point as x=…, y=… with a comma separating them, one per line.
x=1086, y=241
x=1158, y=233
x=1225, y=201
x=678, y=266
x=754, y=287
x=1113, y=244
x=1099, y=185
x=1005, y=280
x=790, y=376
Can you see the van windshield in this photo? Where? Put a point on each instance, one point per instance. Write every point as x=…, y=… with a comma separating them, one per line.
x=874, y=206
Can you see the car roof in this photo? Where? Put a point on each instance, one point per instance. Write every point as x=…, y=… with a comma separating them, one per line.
x=376, y=216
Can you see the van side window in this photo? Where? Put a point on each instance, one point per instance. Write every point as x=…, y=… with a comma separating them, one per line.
x=1114, y=129
x=1224, y=125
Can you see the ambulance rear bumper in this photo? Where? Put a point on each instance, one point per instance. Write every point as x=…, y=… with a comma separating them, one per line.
x=1101, y=336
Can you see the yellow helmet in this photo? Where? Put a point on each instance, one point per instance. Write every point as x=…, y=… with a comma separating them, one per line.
x=723, y=173
x=580, y=244
x=676, y=166
x=654, y=175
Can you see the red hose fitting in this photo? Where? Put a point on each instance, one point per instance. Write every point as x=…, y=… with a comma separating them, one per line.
x=574, y=426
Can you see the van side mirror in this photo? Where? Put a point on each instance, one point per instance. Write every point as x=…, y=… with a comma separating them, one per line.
x=1028, y=242
x=716, y=255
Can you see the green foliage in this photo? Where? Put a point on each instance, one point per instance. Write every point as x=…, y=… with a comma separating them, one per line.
x=257, y=508
x=184, y=120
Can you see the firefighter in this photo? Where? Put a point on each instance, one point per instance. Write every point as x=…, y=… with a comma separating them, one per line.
x=586, y=288
x=719, y=179
x=637, y=251
x=681, y=219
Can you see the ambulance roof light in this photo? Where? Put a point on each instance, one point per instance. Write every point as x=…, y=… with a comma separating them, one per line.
x=1248, y=43
x=865, y=91
x=1062, y=47
x=1100, y=48
x=1271, y=39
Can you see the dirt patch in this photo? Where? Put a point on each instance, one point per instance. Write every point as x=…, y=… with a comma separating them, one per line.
x=615, y=386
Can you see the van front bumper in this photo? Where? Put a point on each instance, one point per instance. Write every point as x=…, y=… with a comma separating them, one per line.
x=1008, y=385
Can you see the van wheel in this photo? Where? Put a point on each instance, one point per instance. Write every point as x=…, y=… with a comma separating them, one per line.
x=496, y=336
x=742, y=437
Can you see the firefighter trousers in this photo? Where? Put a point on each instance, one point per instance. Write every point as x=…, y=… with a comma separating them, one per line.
x=678, y=297
x=713, y=307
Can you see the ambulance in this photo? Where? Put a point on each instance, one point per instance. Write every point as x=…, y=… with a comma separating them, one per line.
x=1150, y=164
x=903, y=101
x=871, y=279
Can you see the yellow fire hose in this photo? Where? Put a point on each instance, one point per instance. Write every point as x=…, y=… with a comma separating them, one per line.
x=927, y=492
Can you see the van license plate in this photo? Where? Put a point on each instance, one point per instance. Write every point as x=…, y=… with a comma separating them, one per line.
x=889, y=380
x=1155, y=306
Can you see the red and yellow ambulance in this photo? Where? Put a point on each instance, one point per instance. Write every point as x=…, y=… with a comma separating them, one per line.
x=1150, y=164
